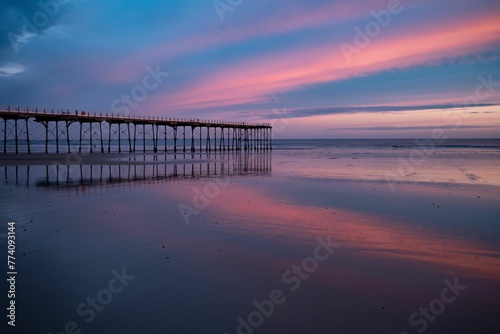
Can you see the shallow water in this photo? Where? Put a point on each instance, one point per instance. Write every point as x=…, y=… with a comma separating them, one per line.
x=229, y=243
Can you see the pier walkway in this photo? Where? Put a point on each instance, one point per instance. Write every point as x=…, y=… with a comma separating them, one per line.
x=64, y=131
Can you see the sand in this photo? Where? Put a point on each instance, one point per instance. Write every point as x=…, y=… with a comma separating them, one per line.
x=237, y=251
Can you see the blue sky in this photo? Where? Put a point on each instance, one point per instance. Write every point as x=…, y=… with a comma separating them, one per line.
x=324, y=69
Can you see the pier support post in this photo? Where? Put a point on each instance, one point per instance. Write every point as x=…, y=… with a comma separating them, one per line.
x=200, y=137
x=129, y=139
x=80, y=144
x=234, y=137
x=259, y=139
x=5, y=136
x=192, y=139
x=109, y=136
x=119, y=138
x=221, y=141
x=100, y=136
x=155, y=137
x=207, y=143
x=144, y=138
x=67, y=136
x=184, y=136
x=175, y=138
x=165, y=130
x=46, y=125
x=15, y=126
x=246, y=139
x=91, y=147
x=28, y=136
x=135, y=134
x=215, y=139
x=57, y=137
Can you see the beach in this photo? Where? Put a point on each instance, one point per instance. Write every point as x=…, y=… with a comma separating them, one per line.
x=313, y=237
x=250, y=167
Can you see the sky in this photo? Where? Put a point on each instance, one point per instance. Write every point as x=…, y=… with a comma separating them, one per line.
x=311, y=68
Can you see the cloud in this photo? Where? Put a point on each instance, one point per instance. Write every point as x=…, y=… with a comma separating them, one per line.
x=252, y=80
x=333, y=110
x=472, y=176
x=292, y=18
x=405, y=128
x=263, y=51
x=20, y=21
x=11, y=69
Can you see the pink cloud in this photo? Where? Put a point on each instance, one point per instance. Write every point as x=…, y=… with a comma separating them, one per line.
x=252, y=80
x=291, y=19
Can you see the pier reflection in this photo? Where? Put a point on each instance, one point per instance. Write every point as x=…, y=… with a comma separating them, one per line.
x=138, y=171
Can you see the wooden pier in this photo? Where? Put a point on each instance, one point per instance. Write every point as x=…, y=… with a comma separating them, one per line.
x=96, y=132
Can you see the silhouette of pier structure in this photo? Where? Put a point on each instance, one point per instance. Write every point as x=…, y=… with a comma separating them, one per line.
x=67, y=131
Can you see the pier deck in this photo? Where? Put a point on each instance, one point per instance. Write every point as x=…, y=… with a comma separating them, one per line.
x=95, y=132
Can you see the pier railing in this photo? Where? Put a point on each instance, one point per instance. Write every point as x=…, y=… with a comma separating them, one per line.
x=96, y=132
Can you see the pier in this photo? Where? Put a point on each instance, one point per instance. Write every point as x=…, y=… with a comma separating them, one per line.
x=71, y=131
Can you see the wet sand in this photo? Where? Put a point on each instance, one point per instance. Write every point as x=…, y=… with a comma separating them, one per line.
x=240, y=254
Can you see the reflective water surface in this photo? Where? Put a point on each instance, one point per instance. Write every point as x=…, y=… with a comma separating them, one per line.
x=284, y=242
